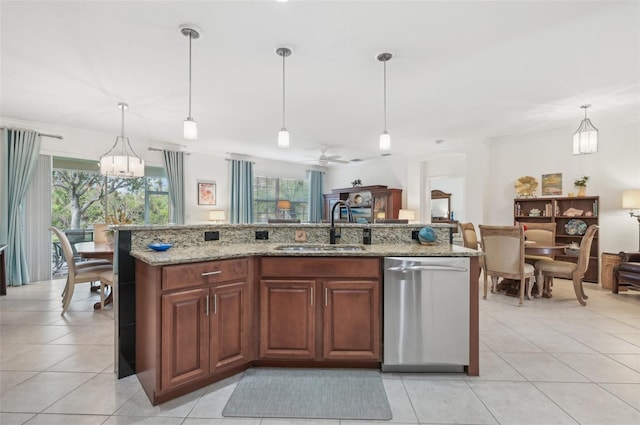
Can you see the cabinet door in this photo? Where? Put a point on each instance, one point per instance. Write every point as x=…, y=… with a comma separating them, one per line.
x=185, y=337
x=351, y=319
x=287, y=319
x=229, y=314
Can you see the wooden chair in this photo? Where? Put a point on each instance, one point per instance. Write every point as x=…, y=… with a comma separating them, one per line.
x=568, y=270
x=106, y=279
x=470, y=240
x=100, y=232
x=504, y=257
x=540, y=233
x=85, y=271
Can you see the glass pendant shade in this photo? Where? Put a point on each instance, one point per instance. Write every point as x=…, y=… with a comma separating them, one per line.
x=283, y=138
x=585, y=139
x=385, y=141
x=190, y=129
x=121, y=161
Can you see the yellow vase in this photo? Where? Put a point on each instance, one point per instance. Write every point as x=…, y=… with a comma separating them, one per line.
x=582, y=190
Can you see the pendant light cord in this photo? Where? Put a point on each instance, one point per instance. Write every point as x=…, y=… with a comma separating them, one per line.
x=385, y=96
x=190, y=37
x=283, y=90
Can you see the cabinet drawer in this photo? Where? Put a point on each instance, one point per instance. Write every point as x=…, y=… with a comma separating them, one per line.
x=187, y=275
x=317, y=267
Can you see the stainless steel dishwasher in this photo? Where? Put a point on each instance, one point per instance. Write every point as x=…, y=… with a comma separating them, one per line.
x=426, y=314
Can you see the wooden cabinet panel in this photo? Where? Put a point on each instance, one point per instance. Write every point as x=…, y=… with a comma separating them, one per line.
x=287, y=319
x=229, y=325
x=185, y=337
x=351, y=320
x=316, y=267
x=208, y=272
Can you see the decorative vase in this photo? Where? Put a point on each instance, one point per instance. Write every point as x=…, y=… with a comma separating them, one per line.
x=582, y=190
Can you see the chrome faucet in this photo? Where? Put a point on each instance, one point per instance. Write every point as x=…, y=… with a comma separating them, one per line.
x=332, y=232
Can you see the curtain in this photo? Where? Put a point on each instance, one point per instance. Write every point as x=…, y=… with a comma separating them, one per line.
x=174, y=164
x=241, y=210
x=37, y=209
x=316, y=200
x=18, y=157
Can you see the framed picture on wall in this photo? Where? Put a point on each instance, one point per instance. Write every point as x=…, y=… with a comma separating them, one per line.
x=552, y=184
x=206, y=193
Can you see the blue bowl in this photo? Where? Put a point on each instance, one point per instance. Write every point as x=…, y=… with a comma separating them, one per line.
x=160, y=246
x=427, y=235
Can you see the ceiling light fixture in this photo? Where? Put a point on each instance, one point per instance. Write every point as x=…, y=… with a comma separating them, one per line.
x=126, y=163
x=585, y=139
x=385, y=138
x=190, y=125
x=283, y=134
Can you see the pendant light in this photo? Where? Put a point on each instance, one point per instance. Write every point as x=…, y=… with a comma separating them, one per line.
x=190, y=125
x=123, y=163
x=283, y=134
x=385, y=138
x=585, y=139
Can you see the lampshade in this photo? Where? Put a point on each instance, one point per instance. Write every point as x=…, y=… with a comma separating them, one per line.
x=190, y=129
x=217, y=215
x=122, y=162
x=406, y=215
x=585, y=139
x=283, y=138
x=385, y=141
x=631, y=199
x=284, y=205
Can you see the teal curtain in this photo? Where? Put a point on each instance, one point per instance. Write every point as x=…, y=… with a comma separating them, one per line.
x=174, y=164
x=18, y=158
x=241, y=209
x=316, y=200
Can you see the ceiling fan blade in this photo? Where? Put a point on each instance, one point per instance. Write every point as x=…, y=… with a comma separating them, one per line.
x=340, y=161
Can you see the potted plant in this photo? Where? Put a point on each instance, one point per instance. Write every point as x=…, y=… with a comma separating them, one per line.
x=581, y=184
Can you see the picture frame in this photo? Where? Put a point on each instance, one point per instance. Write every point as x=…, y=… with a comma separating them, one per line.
x=207, y=193
x=552, y=184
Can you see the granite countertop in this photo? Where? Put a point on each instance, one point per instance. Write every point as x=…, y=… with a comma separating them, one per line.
x=207, y=253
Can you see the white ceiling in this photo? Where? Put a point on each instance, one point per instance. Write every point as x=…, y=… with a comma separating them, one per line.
x=465, y=72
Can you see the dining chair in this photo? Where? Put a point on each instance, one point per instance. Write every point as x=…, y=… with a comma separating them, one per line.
x=569, y=270
x=542, y=234
x=503, y=248
x=82, y=272
x=106, y=279
x=470, y=240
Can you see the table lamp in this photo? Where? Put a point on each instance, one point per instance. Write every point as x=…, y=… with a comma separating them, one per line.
x=631, y=201
x=217, y=216
x=284, y=206
x=407, y=215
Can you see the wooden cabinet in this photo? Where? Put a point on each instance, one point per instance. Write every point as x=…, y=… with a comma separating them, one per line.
x=195, y=318
x=351, y=317
x=320, y=308
x=554, y=210
x=185, y=348
x=287, y=319
x=367, y=203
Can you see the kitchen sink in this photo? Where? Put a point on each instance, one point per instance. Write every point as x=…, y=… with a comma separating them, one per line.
x=320, y=248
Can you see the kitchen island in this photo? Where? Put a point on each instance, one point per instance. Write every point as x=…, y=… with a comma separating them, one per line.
x=207, y=311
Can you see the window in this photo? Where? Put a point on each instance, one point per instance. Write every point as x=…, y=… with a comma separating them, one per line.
x=82, y=196
x=268, y=191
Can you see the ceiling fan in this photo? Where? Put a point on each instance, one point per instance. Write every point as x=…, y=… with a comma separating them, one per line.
x=325, y=159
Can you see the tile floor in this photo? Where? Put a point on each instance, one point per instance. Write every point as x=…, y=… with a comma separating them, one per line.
x=549, y=362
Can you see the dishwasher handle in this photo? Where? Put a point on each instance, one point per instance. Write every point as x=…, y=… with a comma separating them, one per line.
x=404, y=269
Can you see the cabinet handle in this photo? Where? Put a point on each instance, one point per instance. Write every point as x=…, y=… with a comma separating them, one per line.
x=311, y=295
x=212, y=273
x=326, y=295
x=207, y=305
x=215, y=304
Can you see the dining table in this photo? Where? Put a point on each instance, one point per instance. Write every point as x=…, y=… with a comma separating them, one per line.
x=97, y=250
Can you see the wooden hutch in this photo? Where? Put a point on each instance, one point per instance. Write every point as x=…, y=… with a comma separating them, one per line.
x=367, y=203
